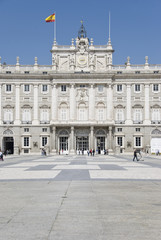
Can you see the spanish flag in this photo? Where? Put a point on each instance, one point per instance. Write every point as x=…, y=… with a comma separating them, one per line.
x=51, y=18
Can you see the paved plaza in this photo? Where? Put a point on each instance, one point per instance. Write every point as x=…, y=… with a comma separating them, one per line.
x=80, y=198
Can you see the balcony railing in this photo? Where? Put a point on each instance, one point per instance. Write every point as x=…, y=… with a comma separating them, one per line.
x=26, y=122
x=120, y=122
x=137, y=121
x=44, y=122
x=7, y=122
x=156, y=122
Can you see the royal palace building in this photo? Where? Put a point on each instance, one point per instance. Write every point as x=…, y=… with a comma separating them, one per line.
x=80, y=102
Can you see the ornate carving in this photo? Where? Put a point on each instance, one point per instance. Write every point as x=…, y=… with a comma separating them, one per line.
x=156, y=132
x=64, y=133
x=8, y=132
x=100, y=132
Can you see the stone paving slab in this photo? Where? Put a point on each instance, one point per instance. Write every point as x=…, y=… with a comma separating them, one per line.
x=74, y=205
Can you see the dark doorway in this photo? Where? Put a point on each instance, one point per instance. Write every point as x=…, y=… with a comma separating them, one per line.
x=8, y=144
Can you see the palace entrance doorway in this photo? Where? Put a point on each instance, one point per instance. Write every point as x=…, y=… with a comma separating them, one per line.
x=8, y=145
x=100, y=144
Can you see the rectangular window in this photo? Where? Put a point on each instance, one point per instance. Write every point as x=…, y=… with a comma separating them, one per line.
x=119, y=88
x=26, y=129
x=63, y=114
x=100, y=114
x=100, y=88
x=26, y=150
x=82, y=86
x=137, y=87
x=155, y=87
x=81, y=114
x=63, y=88
x=137, y=129
x=44, y=88
x=44, y=129
x=155, y=114
x=119, y=115
x=44, y=141
x=44, y=115
x=137, y=115
x=8, y=88
x=138, y=141
x=119, y=129
x=26, y=141
x=26, y=88
x=119, y=141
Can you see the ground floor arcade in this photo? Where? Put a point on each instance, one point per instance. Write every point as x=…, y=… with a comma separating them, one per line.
x=79, y=139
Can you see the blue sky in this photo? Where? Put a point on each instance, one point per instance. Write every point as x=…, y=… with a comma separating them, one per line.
x=135, y=28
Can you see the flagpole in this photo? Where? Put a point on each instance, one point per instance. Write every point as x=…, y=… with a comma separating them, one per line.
x=55, y=30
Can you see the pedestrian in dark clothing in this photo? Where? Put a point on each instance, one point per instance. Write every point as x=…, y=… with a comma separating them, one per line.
x=135, y=155
x=93, y=152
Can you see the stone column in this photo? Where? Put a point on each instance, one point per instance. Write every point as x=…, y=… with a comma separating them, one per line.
x=128, y=104
x=92, y=138
x=109, y=103
x=146, y=105
x=53, y=143
x=35, y=117
x=72, y=103
x=91, y=103
x=110, y=150
x=72, y=151
x=17, y=105
x=0, y=104
x=54, y=103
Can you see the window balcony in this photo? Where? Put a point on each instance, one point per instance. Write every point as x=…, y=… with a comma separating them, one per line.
x=26, y=122
x=7, y=122
x=156, y=122
x=120, y=122
x=137, y=122
x=44, y=122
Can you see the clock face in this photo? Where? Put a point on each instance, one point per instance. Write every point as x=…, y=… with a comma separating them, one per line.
x=82, y=60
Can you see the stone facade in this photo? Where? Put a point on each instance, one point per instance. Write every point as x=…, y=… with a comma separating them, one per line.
x=81, y=102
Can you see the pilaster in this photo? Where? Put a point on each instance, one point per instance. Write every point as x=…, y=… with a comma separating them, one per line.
x=72, y=151
x=91, y=137
x=91, y=103
x=72, y=103
x=128, y=104
x=17, y=105
x=35, y=118
x=109, y=102
x=54, y=103
x=53, y=143
x=146, y=105
x=110, y=140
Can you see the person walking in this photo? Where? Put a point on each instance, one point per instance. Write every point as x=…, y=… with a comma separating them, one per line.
x=135, y=155
x=1, y=155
